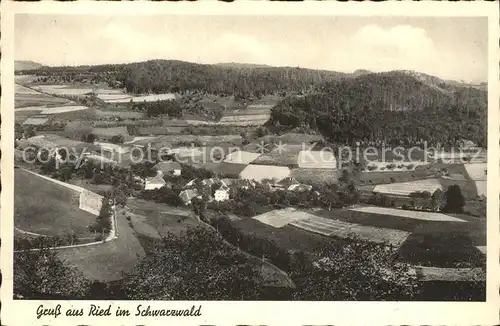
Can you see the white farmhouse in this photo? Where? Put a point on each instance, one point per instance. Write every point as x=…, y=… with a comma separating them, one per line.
x=221, y=194
x=155, y=182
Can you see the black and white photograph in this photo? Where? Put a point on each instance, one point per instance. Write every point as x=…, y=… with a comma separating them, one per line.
x=175, y=157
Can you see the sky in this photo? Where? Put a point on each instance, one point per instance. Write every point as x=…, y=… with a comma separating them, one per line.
x=447, y=47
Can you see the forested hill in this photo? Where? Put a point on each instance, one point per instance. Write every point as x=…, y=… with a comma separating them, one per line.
x=176, y=76
x=241, y=80
x=395, y=106
x=159, y=76
x=26, y=65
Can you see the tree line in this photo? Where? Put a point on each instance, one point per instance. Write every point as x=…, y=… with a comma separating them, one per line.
x=395, y=108
x=198, y=265
x=163, y=76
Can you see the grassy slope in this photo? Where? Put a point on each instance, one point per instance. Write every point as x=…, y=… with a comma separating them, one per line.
x=151, y=218
x=47, y=208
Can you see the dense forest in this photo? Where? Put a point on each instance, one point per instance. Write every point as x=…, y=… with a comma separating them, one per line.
x=393, y=107
x=160, y=76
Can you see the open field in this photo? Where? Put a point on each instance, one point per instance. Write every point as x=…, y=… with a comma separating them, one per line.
x=64, y=90
x=159, y=218
x=44, y=207
x=265, y=101
x=397, y=176
x=315, y=175
x=212, y=154
x=406, y=188
x=444, y=245
x=37, y=109
x=425, y=242
x=280, y=217
x=287, y=156
x=37, y=99
x=352, y=231
x=426, y=216
x=258, y=122
x=371, y=219
x=22, y=90
x=63, y=109
x=291, y=138
x=375, y=166
x=451, y=171
x=24, y=79
x=478, y=155
x=242, y=119
x=228, y=170
x=109, y=132
x=396, y=155
x=208, y=140
x=120, y=114
x=476, y=171
x=100, y=189
x=261, y=172
x=328, y=227
x=241, y=157
x=481, y=187
x=144, y=98
x=316, y=160
x=113, y=96
x=160, y=130
x=264, y=110
x=469, y=188
x=286, y=237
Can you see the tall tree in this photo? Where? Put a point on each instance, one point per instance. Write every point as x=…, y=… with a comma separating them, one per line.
x=41, y=274
x=197, y=265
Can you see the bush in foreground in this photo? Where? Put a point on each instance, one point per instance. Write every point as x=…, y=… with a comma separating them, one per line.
x=41, y=275
x=197, y=265
x=356, y=270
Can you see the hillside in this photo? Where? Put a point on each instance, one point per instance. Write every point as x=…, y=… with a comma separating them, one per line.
x=160, y=76
x=47, y=208
x=230, y=78
x=393, y=106
x=240, y=65
x=26, y=65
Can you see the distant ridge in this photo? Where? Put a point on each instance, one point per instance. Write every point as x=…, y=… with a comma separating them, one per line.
x=361, y=72
x=26, y=65
x=241, y=65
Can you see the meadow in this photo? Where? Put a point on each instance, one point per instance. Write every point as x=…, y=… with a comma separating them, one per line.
x=144, y=98
x=43, y=207
x=154, y=219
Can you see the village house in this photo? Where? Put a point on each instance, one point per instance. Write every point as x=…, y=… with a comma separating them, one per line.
x=113, y=148
x=187, y=195
x=221, y=194
x=155, y=182
x=96, y=158
x=169, y=168
x=286, y=183
x=210, y=182
x=191, y=184
x=300, y=187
